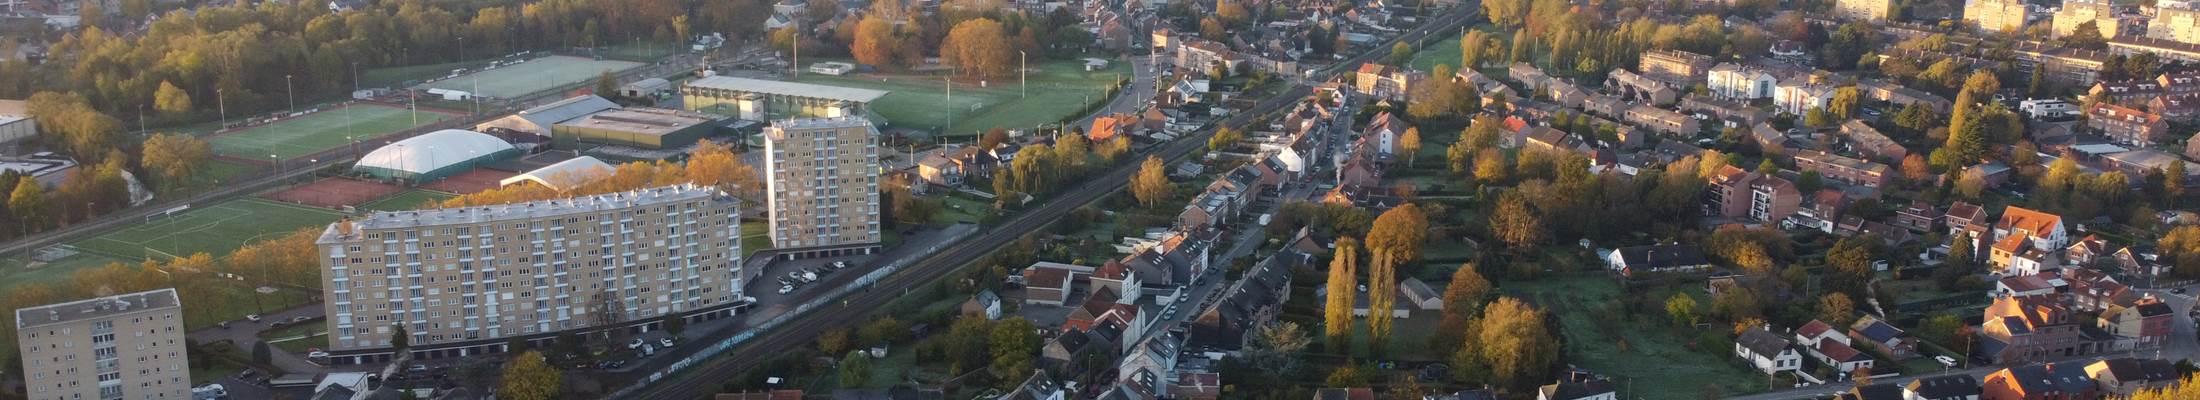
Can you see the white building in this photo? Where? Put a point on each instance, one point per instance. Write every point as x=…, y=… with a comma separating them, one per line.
x=1734, y=81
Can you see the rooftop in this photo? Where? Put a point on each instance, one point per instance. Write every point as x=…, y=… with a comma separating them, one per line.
x=784, y=88
x=646, y=121
x=55, y=314
x=527, y=210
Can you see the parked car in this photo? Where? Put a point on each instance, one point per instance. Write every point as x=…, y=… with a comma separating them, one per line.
x=1945, y=361
x=299, y=319
x=840, y=265
x=784, y=289
x=317, y=354
x=252, y=317
x=665, y=341
x=637, y=343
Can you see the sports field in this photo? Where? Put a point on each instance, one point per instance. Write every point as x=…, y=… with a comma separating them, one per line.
x=1057, y=91
x=214, y=229
x=405, y=201
x=319, y=131
x=532, y=76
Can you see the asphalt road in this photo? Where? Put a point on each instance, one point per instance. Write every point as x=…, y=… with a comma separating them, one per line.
x=703, y=380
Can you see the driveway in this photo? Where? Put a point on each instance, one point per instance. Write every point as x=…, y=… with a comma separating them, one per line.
x=246, y=335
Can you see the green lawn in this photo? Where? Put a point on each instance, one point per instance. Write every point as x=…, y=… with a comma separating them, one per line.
x=1622, y=347
x=328, y=129
x=1441, y=52
x=531, y=76
x=755, y=236
x=413, y=199
x=1059, y=90
x=298, y=338
x=959, y=209
x=21, y=270
x=213, y=229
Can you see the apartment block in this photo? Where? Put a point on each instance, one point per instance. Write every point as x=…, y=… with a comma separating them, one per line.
x=1741, y=194
x=1995, y=15
x=823, y=186
x=2101, y=13
x=1386, y=82
x=1735, y=81
x=126, y=346
x=467, y=281
x=1876, y=10
x=2126, y=126
x=2175, y=23
x=1675, y=66
x=1845, y=170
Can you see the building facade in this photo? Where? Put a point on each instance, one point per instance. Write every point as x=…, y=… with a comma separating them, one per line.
x=466, y=281
x=2126, y=126
x=2176, y=24
x=1995, y=15
x=822, y=175
x=1738, y=82
x=128, y=346
x=1874, y=10
x=1674, y=66
x=2078, y=12
x=1845, y=170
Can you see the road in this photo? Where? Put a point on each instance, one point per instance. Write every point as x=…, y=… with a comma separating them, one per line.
x=2182, y=344
x=703, y=380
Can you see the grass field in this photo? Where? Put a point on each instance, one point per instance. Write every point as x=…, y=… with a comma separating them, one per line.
x=319, y=131
x=755, y=235
x=1440, y=52
x=531, y=76
x=214, y=229
x=20, y=270
x=1598, y=341
x=407, y=200
x=1058, y=90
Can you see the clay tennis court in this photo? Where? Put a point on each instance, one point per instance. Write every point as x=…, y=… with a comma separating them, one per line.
x=335, y=192
x=469, y=182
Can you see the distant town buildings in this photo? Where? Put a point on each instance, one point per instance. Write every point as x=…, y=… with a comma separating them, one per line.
x=1873, y=10
x=1995, y=15
x=128, y=346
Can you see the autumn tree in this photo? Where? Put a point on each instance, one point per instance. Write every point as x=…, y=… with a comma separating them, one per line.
x=1410, y=144
x=2185, y=388
x=1015, y=343
x=1490, y=166
x=171, y=100
x=28, y=205
x=979, y=47
x=1682, y=308
x=1514, y=342
x=530, y=377
x=2180, y=248
x=175, y=158
x=1464, y=296
x=1224, y=137
x=1914, y=168
x=1836, y=309
x=875, y=43
x=1395, y=242
x=1845, y=101
x=1514, y=223
x=1341, y=289
x=833, y=341
x=1151, y=184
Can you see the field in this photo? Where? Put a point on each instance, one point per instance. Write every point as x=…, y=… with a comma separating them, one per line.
x=1058, y=90
x=531, y=76
x=1440, y=52
x=408, y=200
x=1621, y=347
x=755, y=236
x=215, y=229
x=18, y=270
x=319, y=131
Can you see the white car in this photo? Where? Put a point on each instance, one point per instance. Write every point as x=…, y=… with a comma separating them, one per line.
x=784, y=289
x=667, y=342
x=253, y=318
x=636, y=344
x=317, y=354
x=1945, y=361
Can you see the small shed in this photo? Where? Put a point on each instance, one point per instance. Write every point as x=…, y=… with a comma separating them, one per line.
x=646, y=88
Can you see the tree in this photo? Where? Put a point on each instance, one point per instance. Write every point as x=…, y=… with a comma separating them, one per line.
x=28, y=204
x=1399, y=234
x=1515, y=342
x=1342, y=288
x=2186, y=388
x=875, y=43
x=607, y=85
x=834, y=341
x=1490, y=166
x=1514, y=224
x=1845, y=101
x=1411, y=145
x=2181, y=248
x=1682, y=308
x=1836, y=309
x=881, y=331
x=1212, y=29
x=1275, y=346
x=1401, y=53
x=2086, y=36
x=1463, y=297
x=1810, y=181
x=171, y=100
x=1914, y=168
x=530, y=377
x=175, y=158
x=1013, y=341
x=2173, y=184
x=1972, y=184
x=1347, y=375
x=674, y=323
x=399, y=340
x=1151, y=185
x=1223, y=138
x=978, y=47
x=1818, y=117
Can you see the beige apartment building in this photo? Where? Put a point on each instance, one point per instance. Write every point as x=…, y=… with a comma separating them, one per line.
x=126, y=346
x=1995, y=15
x=823, y=186
x=2101, y=13
x=1873, y=10
x=2175, y=24
x=467, y=281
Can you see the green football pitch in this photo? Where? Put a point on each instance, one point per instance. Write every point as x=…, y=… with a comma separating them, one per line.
x=532, y=76
x=215, y=229
x=1057, y=90
x=312, y=133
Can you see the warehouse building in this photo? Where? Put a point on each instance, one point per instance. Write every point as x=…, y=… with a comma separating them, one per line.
x=763, y=100
x=16, y=125
x=539, y=120
x=434, y=156
x=648, y=128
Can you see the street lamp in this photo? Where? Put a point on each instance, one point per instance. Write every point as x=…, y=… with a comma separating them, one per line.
x=222, y=104
x=290, y=94
x=1022, y=69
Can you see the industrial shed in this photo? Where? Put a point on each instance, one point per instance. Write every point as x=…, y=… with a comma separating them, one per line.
x=434, y=155
x=539, y=120
x=648, y=128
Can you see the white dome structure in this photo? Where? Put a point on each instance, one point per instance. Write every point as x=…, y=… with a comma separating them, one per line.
x=433, y=155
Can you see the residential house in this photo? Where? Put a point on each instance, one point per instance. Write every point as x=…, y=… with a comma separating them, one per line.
x=1873, y=145
x=1047, y=285
x=1965, y=217
x=1386, y=82
x=1382, y=133
x=2124, y=125
x=2123, y=376
x=1734, y=112
x=2183, y=107
x=1877, y=391
x=1662, y=120
x=2139, y=262
x=1112, y=126
x=985, y=304
x=1544, y=138
x=1831, y=347
x=1886, y=336
x=2094, y=291
x=938, y=168
x=1152, y=363
x=1919, y=216
x=1528, y=75
x=1207, y=210
x=1944, y=387
x=1740, y=82
x=1252, y=302
x=1845, y=170
x=1767, y=352
x=1073, y=344
x=1658, y=258
x=2019, y=329
x=2087, y=252
x=1675, y=66
x=2143, y=324
x=1039, y=386
x=1904, y=96
x=1638, y=87
x=2064, y=380
x=2027, y=285
x=1593, y=389
x=1768, y=139
x=1344, y=394
x=2127, y=91
x=1565, y=94
x=1197, y=386
x=2044, y=230
x=1605, y=105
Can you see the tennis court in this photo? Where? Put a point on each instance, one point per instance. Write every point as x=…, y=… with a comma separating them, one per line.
x=532, y=76
x=312, y=133
x=214, y=229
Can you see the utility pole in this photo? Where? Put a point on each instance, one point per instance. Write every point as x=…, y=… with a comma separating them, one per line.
x=289, y=94
x=1023, y=68
x=222, y=105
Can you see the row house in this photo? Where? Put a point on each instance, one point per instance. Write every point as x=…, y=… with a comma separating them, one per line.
x=2063, y=380
x=2060, y=64
x=2125, y=91
x=1946, y=387
x=1886, y=336
x=1674, y=66
x=1873, y=145
x=1662, y=120
x=1249, y=303
x=1527, y=74
x=1844, y=169
x=2020, y=329
x=1919, y=216
x=2127, y=126
x=2144, y=323
x=2168, y=50
x=1737, y=193
x=1386, y=82
x=1904, y=96
x=1605, y=105
x=2181, y=107
x=2121, y=377
x=1565, y=94
x=1739, y=82
x=1636, y=86
x=1736, y=113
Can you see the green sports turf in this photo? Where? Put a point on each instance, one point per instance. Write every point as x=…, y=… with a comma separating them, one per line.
x=1057, y=91
x=407, y=200
x=319, y=131
x=214, y=229
x=1444, y=52
x=531, y=76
